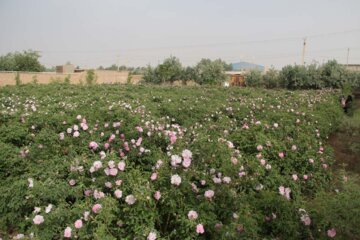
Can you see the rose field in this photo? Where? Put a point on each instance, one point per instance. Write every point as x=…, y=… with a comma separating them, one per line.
x=156, y=162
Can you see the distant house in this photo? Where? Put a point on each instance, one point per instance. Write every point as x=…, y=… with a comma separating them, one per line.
x=67, y=68
x=352, y=67
x=236, y=78
x=245, y=66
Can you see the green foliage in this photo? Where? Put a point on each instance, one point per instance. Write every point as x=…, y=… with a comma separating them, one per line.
x=332, y=74
x=170, y=70
x=56, y=80
x=67, y=79
x=328, y=75
x=34, y=79
x=166, y=72
x=150, y=76
x=254, y=78
x=17, y=79
x=271, y=79
x=210, y=122
x=90, y=77
x=339, y=209
x=26, y=61
x=129, y=78
x=293, y=77
x=210, y=72
x=205, y=72
x=188, y=75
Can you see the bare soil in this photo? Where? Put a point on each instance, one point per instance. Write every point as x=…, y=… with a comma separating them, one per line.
x=341, y=143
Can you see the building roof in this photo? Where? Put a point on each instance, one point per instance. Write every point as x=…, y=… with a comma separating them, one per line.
x=246, y=66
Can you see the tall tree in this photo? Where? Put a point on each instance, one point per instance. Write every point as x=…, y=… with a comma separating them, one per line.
x=210, y=72
x=25, y=61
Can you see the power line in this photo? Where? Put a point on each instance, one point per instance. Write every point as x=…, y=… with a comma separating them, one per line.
x=208, y=44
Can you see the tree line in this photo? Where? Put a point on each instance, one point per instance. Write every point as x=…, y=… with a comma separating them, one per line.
x=27, y=61
x=212, y=72
x=206, y=71
x=313, y=76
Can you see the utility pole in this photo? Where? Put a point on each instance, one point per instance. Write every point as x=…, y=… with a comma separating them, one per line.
x=347, y=58
x=303, y=53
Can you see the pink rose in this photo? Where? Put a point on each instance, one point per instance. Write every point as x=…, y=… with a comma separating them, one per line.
x=38, y=219
x=209, y=194
x=106, y=145
x=157, y=195
x=67, y=232
x=113, y=171
x=96, y=208
x=118, y=193
x=200, y=228
x=121, y=166
x=78, y=223
x=93, y=145
x=153, y=176
x=192, y=215
x=61, y=136
x=331, y=232
x=294, y=177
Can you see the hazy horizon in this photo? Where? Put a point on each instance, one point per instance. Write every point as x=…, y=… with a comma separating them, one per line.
x=136, y=33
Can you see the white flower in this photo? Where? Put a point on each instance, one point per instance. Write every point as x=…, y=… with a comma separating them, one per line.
x=186, y=154
x=227, y=179
x=19, y=236
x=97, y=165
x=209, y=194
x=130, y=199
x=38, y=219
x=118, y=193
x=76, y=134
x=48, y=208
x=111, y=164
x=151, y=236
x=31, y=182
x=192, y=215
x=216, y=180
x=285, y=192
x=121, y=165
x=86, y=215
x=37, y=209
x=175, y=160
x=175, y=180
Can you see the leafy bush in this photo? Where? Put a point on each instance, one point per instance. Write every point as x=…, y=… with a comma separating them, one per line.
x=338, y=210
x=205, y=72
x=17, y=79
x=125, y=162
x=67, y=79
x=90, y=77
x=210, y=72
x=25, y=61
x=254, y=79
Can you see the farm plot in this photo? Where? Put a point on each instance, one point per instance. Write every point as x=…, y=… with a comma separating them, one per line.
x=144, y=162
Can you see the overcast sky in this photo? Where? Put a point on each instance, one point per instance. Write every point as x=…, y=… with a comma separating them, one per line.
x=90, y=33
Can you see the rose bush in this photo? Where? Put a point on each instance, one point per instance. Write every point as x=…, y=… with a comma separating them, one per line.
x=125, y=162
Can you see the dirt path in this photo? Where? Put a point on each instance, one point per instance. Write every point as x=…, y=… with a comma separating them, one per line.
x=342, y=141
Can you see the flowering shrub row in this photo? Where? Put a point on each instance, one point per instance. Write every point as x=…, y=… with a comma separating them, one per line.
x=115, y=162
